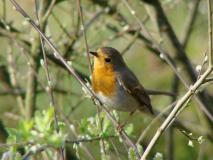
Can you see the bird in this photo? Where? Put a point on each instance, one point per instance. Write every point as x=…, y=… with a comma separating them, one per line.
x=116, y=85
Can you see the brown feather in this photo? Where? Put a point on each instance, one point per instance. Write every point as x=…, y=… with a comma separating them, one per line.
x=131, y=84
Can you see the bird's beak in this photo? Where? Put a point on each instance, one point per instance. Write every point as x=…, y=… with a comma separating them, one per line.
x=94, y=53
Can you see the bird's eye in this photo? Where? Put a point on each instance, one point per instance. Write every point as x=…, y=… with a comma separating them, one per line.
x=107, y=60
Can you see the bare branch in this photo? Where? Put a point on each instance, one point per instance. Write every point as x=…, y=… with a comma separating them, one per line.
x=210, y=79
x=153, y=44
x=210, y=33
x=154, y=92
x=170, y=133
x=179, y=106
x=84, y=34
x=123, y=135
x=15, y=85
x=91, y=139
x=4, y=9
x=190, y=22
x=49, y=83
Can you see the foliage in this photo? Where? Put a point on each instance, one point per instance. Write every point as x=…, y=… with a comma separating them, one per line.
x=36, y=133
x=30, y=81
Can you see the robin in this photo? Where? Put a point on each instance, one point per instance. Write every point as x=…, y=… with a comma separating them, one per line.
x=116, y=85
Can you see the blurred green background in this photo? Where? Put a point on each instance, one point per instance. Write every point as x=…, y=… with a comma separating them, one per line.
x=107, y=29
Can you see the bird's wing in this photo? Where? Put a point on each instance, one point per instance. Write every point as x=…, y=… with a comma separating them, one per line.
x=130, y=83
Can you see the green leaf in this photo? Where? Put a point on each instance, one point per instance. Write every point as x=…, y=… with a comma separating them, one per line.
x=76, y=148
x=16, y=134
x=83, y=125
x=25, y=126
x=129, y=129
x=56, y=139
x=49, y=115
x=131, y=154
x=12, y=140
x=44, y=120
x=12, y=131
x=115, y=114
x=140, y=148
x=106, y=124
x=39, y=122
x=158, y=156
x=104, y=135
x=39, y=130
x=62, y=126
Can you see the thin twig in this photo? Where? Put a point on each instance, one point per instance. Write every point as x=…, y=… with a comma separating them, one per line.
x=155, y=92
x=46, y=68
x=39, y=91
x=210, y=33
x=4, y=9
x=61, y=26
x=115, y=149
x=190, y=23
x=180, y=104
x=170, y=133
x=200, y=70
x=74, y=107
x=75, y=135
x=207, y=80
x=163, y=22
x=123, y=134
x=153, y=44
x=100, y=127
x=14, y=83
x=154, y=121
x=170, y=143
x=131, y=42
x=49, y=84
x=189, y=136
x=13, y=144
x=202, y=98
x=102, y=145
x=174, y=112
x=49, y=10
x=84, y=34
x=32, y=82
x=91, y=139
x=30, y=152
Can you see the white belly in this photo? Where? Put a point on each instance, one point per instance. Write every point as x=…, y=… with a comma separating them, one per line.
x=121, y=101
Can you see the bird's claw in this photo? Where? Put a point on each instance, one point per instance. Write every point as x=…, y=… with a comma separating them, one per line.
x=120, y=127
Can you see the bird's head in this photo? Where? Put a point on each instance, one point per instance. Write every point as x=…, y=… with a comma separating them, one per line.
x=108, y=58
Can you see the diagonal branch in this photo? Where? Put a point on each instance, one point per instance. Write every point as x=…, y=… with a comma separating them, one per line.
x=190, y=23
x=122, y=133
x=49, y=90
x=175, y=112
x=181, y=103
x=84, y=34
x=153, y=44
x=210, y=33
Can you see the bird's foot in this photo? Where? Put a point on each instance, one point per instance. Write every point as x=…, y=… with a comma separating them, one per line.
x=120, y=127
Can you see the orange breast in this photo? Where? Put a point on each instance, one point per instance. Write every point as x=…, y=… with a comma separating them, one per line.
x=104, y=80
